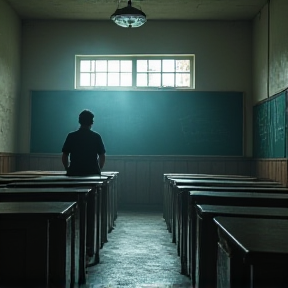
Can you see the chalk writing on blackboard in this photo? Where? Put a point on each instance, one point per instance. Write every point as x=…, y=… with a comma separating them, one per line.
x=200, y=128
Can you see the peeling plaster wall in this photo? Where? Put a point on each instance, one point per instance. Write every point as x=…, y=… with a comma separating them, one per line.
x=10, y=38
x=260, y=56
x=270, y=55
x=278, y=56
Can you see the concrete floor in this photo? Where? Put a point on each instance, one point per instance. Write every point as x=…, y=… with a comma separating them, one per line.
x=139, y=253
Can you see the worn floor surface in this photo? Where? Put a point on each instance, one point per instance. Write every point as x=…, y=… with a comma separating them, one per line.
x=139, y=254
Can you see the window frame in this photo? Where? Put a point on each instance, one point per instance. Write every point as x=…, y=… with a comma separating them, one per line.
x=134, y=59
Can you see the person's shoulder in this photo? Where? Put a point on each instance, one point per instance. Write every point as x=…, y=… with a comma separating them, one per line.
x=94, y=133
x=72, y=133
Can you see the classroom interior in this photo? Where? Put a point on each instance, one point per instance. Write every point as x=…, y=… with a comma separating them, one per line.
x=240, y=66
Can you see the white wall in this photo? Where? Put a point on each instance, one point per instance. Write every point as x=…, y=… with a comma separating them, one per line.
x=10, y=38
x=223, y=55
x=270, y=62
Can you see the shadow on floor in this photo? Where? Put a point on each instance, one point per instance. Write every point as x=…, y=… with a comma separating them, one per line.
x=139, y=253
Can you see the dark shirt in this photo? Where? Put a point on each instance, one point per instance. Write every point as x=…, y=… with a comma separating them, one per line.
x=83, y=146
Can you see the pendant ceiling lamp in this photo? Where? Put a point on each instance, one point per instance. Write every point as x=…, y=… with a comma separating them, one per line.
x=128, y=17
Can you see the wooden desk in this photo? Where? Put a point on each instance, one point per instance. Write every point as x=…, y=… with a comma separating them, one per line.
x=177, y=187
x=106, y=202
x=188, y=228
x=94, y=209
x=178, y=214
x=206, y=242
x=167, y=184
x=80, y=196
x=169, y=201
x=113, y=188
x=37, y=244
x=252, y=252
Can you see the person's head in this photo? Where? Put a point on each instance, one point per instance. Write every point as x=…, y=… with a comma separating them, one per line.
x=86, y=118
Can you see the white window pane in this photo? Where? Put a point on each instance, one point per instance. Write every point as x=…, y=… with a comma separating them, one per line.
x=154, y=65
x=182, y=65
x=93, y=79
x=168, y=65
x=101, y=79
x=85, y=66
x=126, y=66
x=168, y=80
x=126, y=79
x=101, y=65
x=142, y=79
x=113, y=79
x=183, y=80
x=113, y=66
x=142, y=66
x=85, y=79
x=154, y=79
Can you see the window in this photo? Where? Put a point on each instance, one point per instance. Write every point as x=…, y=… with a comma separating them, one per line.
x=132, y=72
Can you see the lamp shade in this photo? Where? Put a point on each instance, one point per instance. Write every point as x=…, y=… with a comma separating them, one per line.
x=129, y=17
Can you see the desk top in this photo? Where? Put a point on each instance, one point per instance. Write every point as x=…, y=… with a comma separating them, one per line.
x=37, y=173
x=207, y=176
x=48, y=209
x=29, y=190
x=226, y=182
x=223, y=210
x=97, y=178
x=256, y=239
x=237, y=195
x=34, y=184
x=233, y=188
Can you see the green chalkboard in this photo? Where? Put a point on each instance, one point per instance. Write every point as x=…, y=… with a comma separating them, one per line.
x=269, y=121
x=142, y=122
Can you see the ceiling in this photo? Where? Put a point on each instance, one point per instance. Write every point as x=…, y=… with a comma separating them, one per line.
x=154, y=9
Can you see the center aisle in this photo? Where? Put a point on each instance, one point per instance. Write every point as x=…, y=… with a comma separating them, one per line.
x=139, y=254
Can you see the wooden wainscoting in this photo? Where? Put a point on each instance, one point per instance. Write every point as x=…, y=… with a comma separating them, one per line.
x=274, y=169
x=7, y=162
x=141, y=177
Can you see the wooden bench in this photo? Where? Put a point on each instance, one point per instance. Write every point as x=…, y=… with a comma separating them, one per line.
x=188, y=225
x=206, y=242
x=253, y=253
x=79, y=195
x=37, y=244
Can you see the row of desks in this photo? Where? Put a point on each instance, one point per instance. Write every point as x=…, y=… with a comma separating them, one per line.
x=193, y=203
x=90, y=213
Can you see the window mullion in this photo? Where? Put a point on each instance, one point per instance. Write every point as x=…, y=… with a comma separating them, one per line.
x=134, y=72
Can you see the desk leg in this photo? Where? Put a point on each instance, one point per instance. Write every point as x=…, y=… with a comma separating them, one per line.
x=82, y=236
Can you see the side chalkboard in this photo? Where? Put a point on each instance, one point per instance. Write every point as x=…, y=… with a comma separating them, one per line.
x=269, y=120
x=142, y=123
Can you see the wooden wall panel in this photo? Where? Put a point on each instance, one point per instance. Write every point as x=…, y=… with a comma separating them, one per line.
x=140, y=180
x=273, y=169
x=155, y=185
x=7, y=162
x=142, y=174
x=128, y=196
